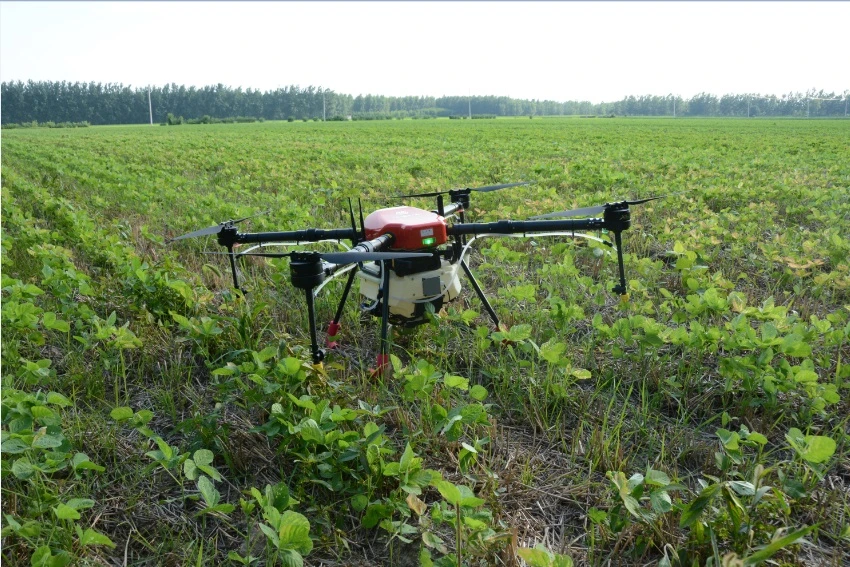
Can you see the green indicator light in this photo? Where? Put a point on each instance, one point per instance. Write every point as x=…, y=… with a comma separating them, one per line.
x=428, y=241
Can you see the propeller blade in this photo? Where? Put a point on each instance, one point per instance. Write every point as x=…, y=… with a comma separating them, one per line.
x=638, y=202
x=267, y=211
x=574, y=213
x=485, y=189
x=345, y=257
x=502, y=186
x=217, y=228
x=586, y=211
x=202, y=232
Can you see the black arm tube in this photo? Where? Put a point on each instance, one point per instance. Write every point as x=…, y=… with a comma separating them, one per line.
x=522, y=227
x=308, y=235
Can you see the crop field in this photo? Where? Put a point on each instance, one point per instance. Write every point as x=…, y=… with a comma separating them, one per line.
x=152, y=415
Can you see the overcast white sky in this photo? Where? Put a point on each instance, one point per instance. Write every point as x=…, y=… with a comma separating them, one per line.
x=546, y=50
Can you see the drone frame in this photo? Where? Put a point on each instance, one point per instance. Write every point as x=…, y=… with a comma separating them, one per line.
x=308, y=270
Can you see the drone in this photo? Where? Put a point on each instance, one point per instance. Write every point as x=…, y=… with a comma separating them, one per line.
x=408, y=259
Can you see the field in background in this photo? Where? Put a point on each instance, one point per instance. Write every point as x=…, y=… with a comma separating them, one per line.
x=151, y=414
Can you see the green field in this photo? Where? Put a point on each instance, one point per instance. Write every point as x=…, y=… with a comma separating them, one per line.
x=152, y=416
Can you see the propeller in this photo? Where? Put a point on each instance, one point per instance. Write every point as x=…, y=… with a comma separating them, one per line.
x=217, y=228
x=586, y=211
x=484, y=189
x=349, y=257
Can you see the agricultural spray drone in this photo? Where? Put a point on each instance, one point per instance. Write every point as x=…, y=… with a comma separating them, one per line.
x=407, y=258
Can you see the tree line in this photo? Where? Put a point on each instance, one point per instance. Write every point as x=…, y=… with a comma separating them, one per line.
x=110, y=103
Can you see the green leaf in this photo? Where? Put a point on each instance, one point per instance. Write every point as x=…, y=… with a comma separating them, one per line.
x=406, y=459
x=190, y=470
x=468, y=498
x=41, y=556
x=767, y=551
x=459, y=382
x=478, y=393
x=47, y=441
x=271, y=534
x=581, y=373
x=818, y=448
x=696, y=508
x=290, y=558
x=23, y=468
x=660, y=501
x=65, y=512
x=57, y=399
x=295, y=533
x=552, y=350
x=203, y=457
x=359, y=502
x=795, y=345
x=14, y=446
x=51, y=322
x=80, y=503
x=210, y=494
x=94, y=537
x=121, y=413
x=535, y=557
x=310, y=431
x=729, y=439
x=375, y=513
x=657, y=478
x=448, y=491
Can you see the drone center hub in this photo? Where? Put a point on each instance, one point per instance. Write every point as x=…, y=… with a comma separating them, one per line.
x=412, y=228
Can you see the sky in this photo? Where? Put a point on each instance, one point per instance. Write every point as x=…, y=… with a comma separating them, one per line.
x=588, y=51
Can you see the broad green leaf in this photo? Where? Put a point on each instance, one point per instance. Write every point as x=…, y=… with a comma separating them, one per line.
x=660, y=501
x=406, y=459
x=359, y=502
x=818, y=448
x=657, y=478
x=14, y=446
x=121, y=413
x=94, y=537
x=80, y=503
x=210, y=494
x=581, y=373
x=203, y=457
x=459, y=382
x=375, y=513
x=57, y=399
x=552, y=350
x=190, y=470
x=23, y=468
x=290, y=558
x=478, y=392
x=65, y=512
x=729, y=439
x=468, y=498
x=795, y=345
x=310, y=431
x=696, y=508
x=295, y=532
x=448, y=491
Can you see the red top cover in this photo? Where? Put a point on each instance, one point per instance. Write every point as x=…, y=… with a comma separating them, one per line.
x=411, y=227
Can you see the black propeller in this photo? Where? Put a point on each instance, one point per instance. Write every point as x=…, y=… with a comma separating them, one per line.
x=586, y=211
x=484, y=189
x=217, y=228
